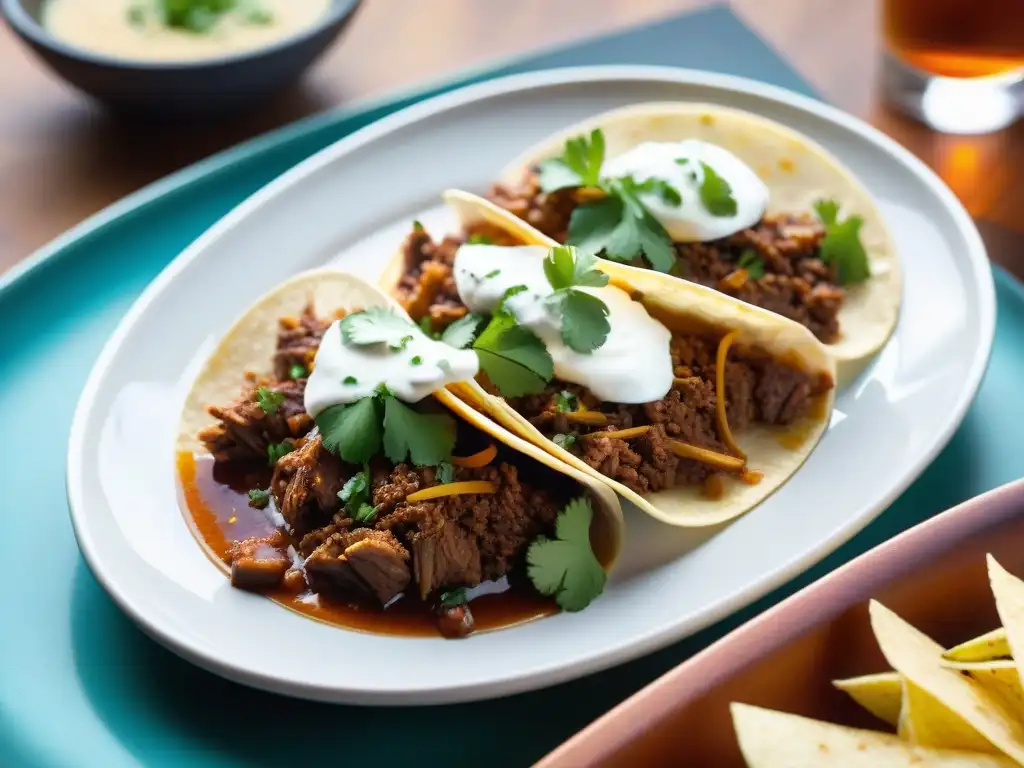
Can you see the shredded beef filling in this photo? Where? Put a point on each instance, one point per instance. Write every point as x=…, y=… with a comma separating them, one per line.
x=450, y=541
x=796, y=283
x=758, y=389
x=427, y=287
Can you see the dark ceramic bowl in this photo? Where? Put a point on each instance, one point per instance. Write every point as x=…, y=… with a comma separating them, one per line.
x=223, y=84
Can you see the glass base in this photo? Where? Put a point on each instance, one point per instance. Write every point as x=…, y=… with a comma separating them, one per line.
x=954, y=105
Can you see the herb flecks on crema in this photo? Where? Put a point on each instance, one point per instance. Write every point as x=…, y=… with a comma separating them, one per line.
x=197, y=16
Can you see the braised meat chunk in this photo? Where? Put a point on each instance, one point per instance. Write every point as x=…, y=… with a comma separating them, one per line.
x=259, y=564
x=362, y=562
x=305, y=486
x=244, y=429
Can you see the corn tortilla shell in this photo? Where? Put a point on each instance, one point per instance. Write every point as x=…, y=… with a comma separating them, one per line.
x=797, y=170
x=690, y=304
x=249, y=346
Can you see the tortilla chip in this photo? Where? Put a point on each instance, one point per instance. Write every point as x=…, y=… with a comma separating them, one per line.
x=918, y=659
x=881, y=694
x=988, y=647
x=999, y=677
x=926, y=721
x=1009, y=594
x=770, y=739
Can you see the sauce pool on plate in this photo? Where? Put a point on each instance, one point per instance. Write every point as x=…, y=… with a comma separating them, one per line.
x=135, y=29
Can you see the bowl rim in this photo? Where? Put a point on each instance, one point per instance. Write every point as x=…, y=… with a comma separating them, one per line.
x=29, y=28
x=852, y=583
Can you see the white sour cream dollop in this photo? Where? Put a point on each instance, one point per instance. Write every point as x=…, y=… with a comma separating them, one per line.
x=632, y=366
x=412, y=373
x=691, y=222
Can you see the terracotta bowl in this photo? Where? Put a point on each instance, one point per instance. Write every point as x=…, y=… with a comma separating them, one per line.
x=933, y=575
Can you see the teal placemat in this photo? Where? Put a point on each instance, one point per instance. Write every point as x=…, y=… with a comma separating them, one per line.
x=80, y=685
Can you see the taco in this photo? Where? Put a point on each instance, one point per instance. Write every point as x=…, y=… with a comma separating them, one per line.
x=724, y=198
x=379, y=488
x=690, y=404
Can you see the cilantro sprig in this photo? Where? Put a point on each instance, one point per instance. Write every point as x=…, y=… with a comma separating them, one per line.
x=356, y=497
x=462, y=332
x=453, y=598
x=584, y=316
x=377, y=325
x=842, y=247
x=621, y=228
x=754, y=264
x=357, y=431
x=514, y=359
x=578, y=166
x=269, y=400
x=566, y=566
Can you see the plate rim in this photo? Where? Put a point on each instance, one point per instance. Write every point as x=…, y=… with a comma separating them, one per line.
x=501, y=685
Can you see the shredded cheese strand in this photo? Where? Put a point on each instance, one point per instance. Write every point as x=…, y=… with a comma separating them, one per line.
x=595, y=418
x=478, y=459
x=715, y=459
x=621, y=434
x=452, y=489
x=723, y=422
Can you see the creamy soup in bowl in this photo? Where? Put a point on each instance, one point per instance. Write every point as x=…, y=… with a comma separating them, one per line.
x=178, y=30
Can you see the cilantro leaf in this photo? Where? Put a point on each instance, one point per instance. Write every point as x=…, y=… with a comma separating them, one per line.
x=565, y=441
x=514, y=359
x=668, y=194
x=621, y=228
x=566, y=266
x=754, y=264
x=269, y=400
x=585, y=324
x=426, y=438
x=453, y=598
x=842, y=247
x=461, y=333
x=356, y=496
x=566, y=566
x=352, y=432
x=365, y=514
x=716, y=193
x=578, y=166
x=559, y=266
x=276, y=450
x=258, y=498
x=566, y=402
x=827, y=210
x=445, y=473
x=356, y=488
x=377, y=325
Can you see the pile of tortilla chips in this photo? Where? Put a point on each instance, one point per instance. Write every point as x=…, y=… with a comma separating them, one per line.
x=961, y=707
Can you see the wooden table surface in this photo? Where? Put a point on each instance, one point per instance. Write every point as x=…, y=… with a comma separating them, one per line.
x=62, y=158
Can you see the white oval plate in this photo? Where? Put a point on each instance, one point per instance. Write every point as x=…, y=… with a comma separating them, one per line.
x=350, y=205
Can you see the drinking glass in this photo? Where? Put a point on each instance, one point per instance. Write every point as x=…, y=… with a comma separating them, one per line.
x=957, y=65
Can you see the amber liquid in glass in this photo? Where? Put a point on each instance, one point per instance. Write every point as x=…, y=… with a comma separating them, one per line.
x=956, y=38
